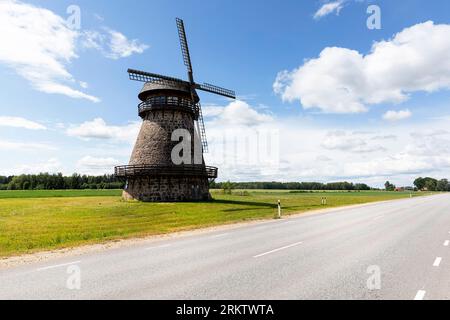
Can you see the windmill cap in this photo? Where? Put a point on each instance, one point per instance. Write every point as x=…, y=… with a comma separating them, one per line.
x=152, y=88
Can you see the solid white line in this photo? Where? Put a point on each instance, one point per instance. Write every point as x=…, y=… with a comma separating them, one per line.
x=420, y=295
x=158, y=247
x=58, y=266
x=437, y=262
x=446, y=243
x=219, y=235
x=276, y=250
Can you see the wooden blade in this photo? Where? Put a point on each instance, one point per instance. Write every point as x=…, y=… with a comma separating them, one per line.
x=184, y=45
x=143, y=76
x=202, y=132
x=216, y=90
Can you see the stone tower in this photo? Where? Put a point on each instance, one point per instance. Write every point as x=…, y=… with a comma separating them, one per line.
x=151, y=174
x=169, y=105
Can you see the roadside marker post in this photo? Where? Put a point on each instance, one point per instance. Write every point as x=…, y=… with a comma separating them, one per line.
x=279, y=209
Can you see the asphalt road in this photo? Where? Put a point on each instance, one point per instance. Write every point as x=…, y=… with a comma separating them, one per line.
x=390, y=250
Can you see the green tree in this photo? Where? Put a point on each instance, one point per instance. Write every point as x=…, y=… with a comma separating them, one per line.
x=389, y=186
x=443, y=185
x=228, y=187
x=419, y=183
x=431, y=184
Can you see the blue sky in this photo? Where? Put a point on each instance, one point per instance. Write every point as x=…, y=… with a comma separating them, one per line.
x=334, y=123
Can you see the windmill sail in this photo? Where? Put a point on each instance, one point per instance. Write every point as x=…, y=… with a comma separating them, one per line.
x=216, y=90
x=184, y=45
x=202, y=131
x=143, y=76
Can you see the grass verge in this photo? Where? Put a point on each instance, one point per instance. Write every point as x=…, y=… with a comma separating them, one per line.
x=32, y=221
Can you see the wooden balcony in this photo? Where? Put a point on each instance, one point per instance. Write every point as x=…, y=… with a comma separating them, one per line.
x=155, y=170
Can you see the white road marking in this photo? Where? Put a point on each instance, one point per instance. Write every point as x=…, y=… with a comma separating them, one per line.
x=219, y=235
x=279, y=249
x=420, y=295
x=437, y=262
x=58, y=266
x=379, y=217
x=446, y=243
x=158, y=247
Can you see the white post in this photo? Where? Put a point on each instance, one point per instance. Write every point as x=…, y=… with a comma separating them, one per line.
x=279, y=209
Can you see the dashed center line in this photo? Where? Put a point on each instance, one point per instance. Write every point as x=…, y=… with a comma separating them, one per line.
x=420, y=295
x=446, y=243
x=58, y=266
x=437, y=262
x=279, y=249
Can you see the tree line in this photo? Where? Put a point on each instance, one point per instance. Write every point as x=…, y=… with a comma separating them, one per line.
x=313, y=186
x=46, y=181
x=431, y=184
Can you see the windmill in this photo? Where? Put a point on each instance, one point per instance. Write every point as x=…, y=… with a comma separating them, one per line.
x=169, y=104
x=143, y=76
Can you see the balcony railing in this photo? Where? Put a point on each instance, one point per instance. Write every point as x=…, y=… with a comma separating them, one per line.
x=155, y=170
x=164, y=101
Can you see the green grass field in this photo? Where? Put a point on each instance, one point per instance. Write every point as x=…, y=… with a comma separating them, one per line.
x=58, y=193
x=38, y=220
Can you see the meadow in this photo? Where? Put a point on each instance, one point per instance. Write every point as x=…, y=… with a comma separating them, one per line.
x=33, y=221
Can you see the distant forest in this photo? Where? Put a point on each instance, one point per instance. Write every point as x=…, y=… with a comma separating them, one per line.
x=424, y=184
x=314, y=186
x=46, y=181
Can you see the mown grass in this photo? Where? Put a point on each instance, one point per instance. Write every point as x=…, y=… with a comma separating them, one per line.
x=38, y=220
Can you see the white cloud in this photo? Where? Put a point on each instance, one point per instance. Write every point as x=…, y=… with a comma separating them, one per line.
x=236, y=113
x=392, y=115
x=112, y=44
x=97, y=163
x=389, y=166
x=399, y=160
x=349, y=142
x=212, y=111
x=385, y=137
x=95, y=166
x=430, y=133
x=309, y=152
x=18, y=122
x=121, y=47
x=52, y=165
x=342, y=80
x=99, y=17
x=84, y=85
x=323, y=158
x=328, y=8
x=38, y=45
x=98, y=129
x=24, y=146
x=237, y=135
